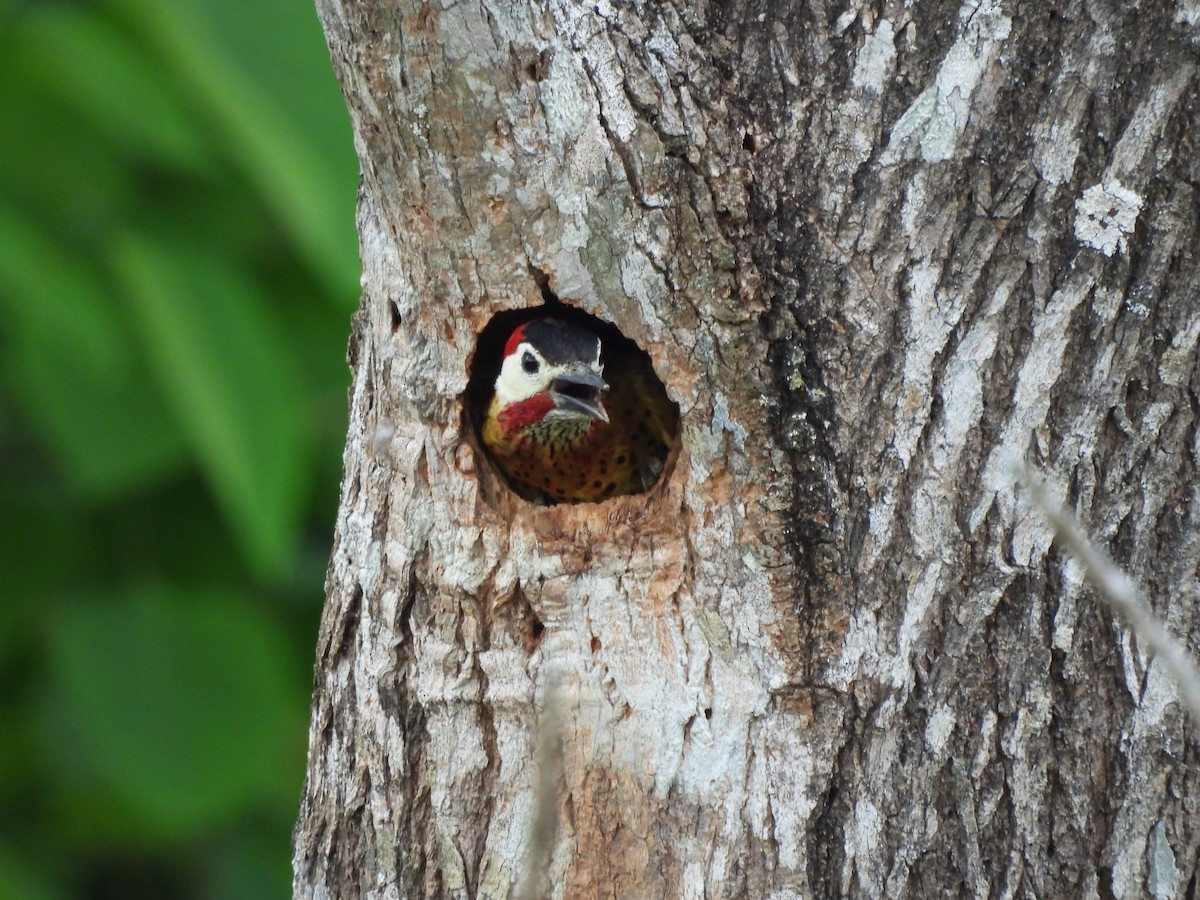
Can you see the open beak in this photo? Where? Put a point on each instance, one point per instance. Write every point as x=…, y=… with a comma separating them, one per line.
x=579, y=392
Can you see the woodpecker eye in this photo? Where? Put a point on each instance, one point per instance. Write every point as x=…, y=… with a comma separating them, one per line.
x=529, y=363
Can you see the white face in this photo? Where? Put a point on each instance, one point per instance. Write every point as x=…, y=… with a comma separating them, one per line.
x=525, y=373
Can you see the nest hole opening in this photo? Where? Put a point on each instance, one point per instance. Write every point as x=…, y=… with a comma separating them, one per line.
x=643, y=421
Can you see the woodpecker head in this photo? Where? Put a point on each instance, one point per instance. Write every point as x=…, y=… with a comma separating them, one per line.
x=551, y=377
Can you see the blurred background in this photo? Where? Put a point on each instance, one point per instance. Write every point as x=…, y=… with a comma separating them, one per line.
x=178, y=266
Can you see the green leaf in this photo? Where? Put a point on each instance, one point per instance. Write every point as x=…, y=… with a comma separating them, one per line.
x=251, y=865
x=75, y=370
x=232, y=384
x=311, y=187
x=109, y=80
x=45, y=542
x=21, y=880
x=50, y=161
x=180, y=703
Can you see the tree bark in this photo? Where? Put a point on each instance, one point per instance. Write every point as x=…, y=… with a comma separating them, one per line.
x=877, y=253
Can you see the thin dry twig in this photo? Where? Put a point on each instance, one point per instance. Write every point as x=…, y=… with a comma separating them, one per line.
x=548, y=773
x=1118, y=590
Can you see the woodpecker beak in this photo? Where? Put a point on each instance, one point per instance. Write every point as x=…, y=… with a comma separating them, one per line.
x=578, y=391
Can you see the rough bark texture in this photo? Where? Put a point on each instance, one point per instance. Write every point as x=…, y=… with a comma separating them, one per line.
x=877, y=251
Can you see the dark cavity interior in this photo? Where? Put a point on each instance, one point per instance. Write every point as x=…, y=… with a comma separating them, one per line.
x=584, y=392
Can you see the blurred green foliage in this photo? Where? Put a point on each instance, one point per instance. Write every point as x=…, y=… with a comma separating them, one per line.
x=177, y=271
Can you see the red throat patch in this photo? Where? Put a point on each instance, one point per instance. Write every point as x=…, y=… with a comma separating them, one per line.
x=517, y=416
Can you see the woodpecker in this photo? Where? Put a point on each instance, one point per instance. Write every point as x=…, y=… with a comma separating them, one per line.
x=562, y=429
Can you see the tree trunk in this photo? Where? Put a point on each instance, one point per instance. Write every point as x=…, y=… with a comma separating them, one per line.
x=876, y=253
